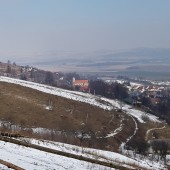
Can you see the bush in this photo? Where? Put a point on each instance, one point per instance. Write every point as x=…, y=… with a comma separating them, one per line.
x=145, y=118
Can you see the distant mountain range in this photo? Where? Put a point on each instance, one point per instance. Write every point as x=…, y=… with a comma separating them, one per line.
x=139, y=60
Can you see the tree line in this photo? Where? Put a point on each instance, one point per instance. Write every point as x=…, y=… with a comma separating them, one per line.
x=161, y=109
x=113, y=90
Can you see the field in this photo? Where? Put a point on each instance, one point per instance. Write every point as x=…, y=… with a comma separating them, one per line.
x=44, y=112
x=24, y=110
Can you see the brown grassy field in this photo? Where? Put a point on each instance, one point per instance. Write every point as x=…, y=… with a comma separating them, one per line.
x=26, y=108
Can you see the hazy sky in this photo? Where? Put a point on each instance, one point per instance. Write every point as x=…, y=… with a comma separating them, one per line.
x=36, y=28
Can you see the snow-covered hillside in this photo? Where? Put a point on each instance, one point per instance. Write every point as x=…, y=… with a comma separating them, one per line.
x=112, y=157
x=98, y=101
x=33, y=159
x=29, y=158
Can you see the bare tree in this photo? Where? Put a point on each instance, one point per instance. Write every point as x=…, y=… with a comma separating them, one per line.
x=160, y=147
x=49, y=79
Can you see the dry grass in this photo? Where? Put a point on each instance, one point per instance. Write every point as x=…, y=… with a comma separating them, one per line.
x=164, y=133
x=26, y=107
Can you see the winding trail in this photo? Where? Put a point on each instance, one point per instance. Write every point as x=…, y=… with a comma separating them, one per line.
x=125, y=111
x=150, y=130
x=117, y=130
x=122, y=146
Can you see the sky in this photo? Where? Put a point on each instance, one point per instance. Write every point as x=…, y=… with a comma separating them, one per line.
x=40, y=29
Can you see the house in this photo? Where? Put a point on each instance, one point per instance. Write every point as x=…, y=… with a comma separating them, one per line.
x=81, y=85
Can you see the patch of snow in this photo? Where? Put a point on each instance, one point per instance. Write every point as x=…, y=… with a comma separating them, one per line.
x=131, y=111
x=49, y=108
x=3, y=167
x=116, y=131
x=41, y=130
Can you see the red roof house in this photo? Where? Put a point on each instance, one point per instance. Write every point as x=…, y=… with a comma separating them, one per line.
x=82, y=84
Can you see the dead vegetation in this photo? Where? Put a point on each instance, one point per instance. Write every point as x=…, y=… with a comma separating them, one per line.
x=26, y=106
x=27, y=109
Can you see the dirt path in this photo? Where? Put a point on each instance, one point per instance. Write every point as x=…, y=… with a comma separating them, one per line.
x=10, y=165
x=150, y=130
x=117, y=130
x=122, y=146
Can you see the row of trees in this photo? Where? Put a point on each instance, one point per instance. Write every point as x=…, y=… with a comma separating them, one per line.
x=158, y=148
x=161, y=109
x=113, y=90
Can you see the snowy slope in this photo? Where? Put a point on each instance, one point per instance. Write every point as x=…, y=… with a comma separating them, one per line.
x=3, y=167
x=113, y=157
x=33, y=159
x=82, y=97
x=41, y=160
